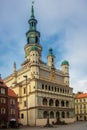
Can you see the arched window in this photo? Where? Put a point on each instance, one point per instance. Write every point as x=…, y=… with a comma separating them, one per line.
x=57, y=115
x=44, y=101
x=62, y=103
x=52, y=88
x=56, y=103
x=42, y=86
x=46, y=87
x=49, y=88
x=36, y=39
x=45, y=114
x=55, y=89
x=67, y=103
x=28, y=40
x=63, y=115
x=51, y=102
x=51, y=114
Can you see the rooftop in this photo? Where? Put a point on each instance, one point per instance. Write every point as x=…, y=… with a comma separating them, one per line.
x=11, y=93
x=83, y=95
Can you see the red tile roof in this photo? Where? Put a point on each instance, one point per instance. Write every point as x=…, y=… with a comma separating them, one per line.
x=83, y=95
x=11, y=93
x=2, y=83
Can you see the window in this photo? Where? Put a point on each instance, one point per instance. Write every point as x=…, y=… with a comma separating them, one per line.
x=63, y=114
x=57, y=114
x=84, y=100
x=45, y=113
x=3, y=110
x=84, y=106
x=46, y=87
x=56, y=103
x=2, y=91
x=80, y=100
x=80, y=106
x=49, y=88
x=25, y=104
x=62, y=103
x=55, y=89
x=42, y=86
x=44, y=101
x=3, y=100
x=12, y=111
x=51, y=114
x=58, y=89
x=80, y=111
x=12, y=101
x=67, y=103
x=24, y=90
x=22, y=115
x=51, y=102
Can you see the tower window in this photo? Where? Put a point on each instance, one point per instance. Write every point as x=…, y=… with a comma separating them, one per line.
x=42, y=86
x=52, y=60
x=46, y=87
x=28, y=40
x=36, y=39
x=55, y=89
x=49, y=87
x=22, y=115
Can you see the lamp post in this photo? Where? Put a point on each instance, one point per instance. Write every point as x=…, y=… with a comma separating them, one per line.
x=25, y=76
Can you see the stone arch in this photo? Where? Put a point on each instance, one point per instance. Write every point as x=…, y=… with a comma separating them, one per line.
x=63, y=114
x=57, y=103
x=45, y=114
x=57, y=114
x=51, y=114
x=62, y=103
x=51, y=102
x=44, y=101
x=67, y=103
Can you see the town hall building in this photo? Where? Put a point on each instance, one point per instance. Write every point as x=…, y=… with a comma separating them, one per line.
x=42, y=89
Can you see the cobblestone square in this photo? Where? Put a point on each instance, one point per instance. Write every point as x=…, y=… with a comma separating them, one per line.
x=74, y=126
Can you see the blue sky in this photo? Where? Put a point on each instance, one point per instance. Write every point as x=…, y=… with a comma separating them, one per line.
x=63, y=26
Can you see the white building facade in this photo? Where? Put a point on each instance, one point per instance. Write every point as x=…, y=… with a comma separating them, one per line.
x=41, y=88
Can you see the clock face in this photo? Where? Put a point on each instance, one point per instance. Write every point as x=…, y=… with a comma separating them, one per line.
x=32, y=35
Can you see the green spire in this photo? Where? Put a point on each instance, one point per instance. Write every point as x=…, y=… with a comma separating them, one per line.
x=65, y=62
x=32, y=10
x=33, y=35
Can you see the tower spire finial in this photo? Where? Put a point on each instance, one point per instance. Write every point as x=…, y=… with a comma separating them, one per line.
x=32, y=10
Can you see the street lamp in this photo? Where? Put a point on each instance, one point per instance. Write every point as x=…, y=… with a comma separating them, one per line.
x=48, y=124
x=25, y=76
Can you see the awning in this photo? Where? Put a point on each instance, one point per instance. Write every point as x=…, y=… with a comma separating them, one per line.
x=13, y=119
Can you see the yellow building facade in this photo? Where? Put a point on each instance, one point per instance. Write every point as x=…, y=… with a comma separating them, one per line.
x=81, y=107
x=42, y=89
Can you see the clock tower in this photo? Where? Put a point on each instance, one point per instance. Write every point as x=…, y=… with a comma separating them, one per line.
x=33, y=36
